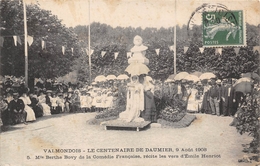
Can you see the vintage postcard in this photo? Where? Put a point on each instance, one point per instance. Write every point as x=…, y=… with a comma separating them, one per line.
x=129, y=82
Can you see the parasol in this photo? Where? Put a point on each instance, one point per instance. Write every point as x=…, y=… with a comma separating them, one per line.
x=137, y=69
x=111, y=77
x=100, y=78
x=243, y=85
x=252, y=75
x=192, y=78
x=122, y=77
x=207, y=76
x=181, y=76
x=196, y=73
x=171, y=77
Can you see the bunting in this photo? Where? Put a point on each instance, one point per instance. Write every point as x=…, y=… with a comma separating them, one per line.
x=157, y=51
x=201, y=49
x=19, y=40
x=63, y=50
x=2, y=41
x=256, y=48
x=91, y=51
x=171, y=47
x=218, y=51
x=237, y=50
x=116, y=54
x=185, y=49
x=103, y=53
x=129, y=54
x=29, y=40
x=15, y=40
x=43, y=44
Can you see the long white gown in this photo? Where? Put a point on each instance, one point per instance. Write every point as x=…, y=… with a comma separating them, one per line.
x=135, y=103
x=30, y=113
x=192, y=101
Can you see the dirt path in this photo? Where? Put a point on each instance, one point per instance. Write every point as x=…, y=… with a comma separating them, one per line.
x=70, y=131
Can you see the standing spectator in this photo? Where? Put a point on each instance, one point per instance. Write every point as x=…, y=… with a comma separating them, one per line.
x=60, y=102
x=228, y=98
x=205, y=107
x=192, y=100
x=214, y=97
x=75, y=105
x=68, y=101
x=18, y=114
x=48, y=98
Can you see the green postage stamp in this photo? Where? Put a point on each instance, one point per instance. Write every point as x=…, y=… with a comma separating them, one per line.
x=223, y=28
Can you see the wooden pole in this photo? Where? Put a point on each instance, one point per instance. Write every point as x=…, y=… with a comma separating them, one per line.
x=89, y=52
x=175, y=43
x=25, y=44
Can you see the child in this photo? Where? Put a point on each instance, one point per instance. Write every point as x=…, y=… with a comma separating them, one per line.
x=83, y=101
x=54, y=104
x=61, y=102
x=98, y=101
x=109, y=100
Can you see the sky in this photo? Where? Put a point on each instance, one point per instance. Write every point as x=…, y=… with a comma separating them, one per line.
x=141, y=13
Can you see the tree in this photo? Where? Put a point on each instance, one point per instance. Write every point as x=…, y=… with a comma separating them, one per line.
x=42, y=25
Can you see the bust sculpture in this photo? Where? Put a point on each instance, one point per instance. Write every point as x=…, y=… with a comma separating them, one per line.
x=138, y=51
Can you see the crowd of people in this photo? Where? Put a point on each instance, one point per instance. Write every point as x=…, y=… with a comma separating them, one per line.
x=22, y=105
x=211, y=96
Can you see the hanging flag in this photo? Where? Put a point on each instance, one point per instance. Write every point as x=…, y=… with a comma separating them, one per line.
x=19, y=40
x=171, y=47
x=116, y=54
x=103, y=53
x=201, y=49
x=91, y=51
x=129, y=54
x=218, y=51
x=43, y=44
x=185, y=49
x=72, y=49
x=15, y=40
x=29, y=40
x=157, y=51
x=63, y=50
x=237, y=50
x=256, y=48
x=2, y=41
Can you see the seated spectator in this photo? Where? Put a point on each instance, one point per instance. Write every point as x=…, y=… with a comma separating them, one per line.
x=54, y=104
x=37, y=108
x=17, y=112
x=30, y=113
x=4, y=112
x=42, y=103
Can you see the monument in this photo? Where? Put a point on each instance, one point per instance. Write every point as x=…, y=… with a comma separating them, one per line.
x=130, y=118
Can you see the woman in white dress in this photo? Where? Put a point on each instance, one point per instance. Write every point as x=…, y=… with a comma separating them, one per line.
x=192, y=100
x=42, y=102
x=30, y=113
x=134, y=102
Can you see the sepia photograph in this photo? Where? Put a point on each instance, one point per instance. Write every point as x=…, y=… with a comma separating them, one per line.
x=129, y=82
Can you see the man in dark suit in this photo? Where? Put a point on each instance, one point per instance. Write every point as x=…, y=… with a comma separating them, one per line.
x=214, y=97
x=17, y=111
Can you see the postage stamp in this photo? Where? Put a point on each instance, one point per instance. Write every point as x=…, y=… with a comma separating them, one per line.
x=223, y=28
